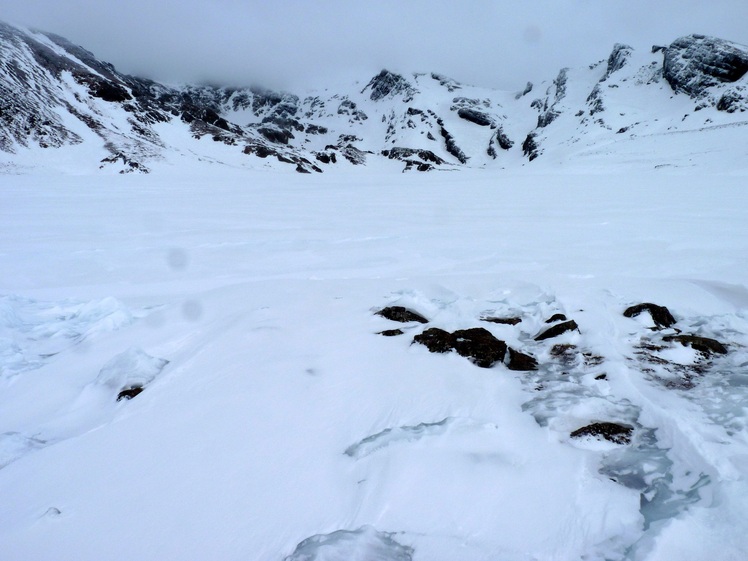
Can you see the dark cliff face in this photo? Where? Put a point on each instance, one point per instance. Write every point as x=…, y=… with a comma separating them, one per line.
x=695, y=63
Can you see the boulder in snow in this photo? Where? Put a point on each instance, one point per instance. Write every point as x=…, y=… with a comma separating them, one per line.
x=612, y=432
x=401, y=314
x=557, y=330
x=660, y=314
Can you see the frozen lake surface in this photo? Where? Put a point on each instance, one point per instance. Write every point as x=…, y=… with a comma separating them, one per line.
x=275, y=422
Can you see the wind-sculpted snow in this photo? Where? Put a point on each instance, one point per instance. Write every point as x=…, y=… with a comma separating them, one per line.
x=34, y=335
x=364, y=544
x=13, y=445
x=32, y=332
x=406, y=433
x=132, y=368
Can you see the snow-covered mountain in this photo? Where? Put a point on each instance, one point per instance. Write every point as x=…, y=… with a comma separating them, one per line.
x=59, y=97
x=514, y=363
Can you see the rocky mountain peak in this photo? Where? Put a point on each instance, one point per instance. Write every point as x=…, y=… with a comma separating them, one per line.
x=619, y=56
x=694, y=63
x=388, y=83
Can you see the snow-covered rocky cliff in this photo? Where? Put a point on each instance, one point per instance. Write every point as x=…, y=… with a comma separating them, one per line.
x=55, y=95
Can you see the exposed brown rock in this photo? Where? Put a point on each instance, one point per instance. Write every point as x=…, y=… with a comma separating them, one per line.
x=701, y=344
x=401, y=314
x=129, y=393
x=660, y=314
x=479, y=345
x=556, y=317
x=521, y=361
x=436, y=340
x=557, y=330
x=613, y=432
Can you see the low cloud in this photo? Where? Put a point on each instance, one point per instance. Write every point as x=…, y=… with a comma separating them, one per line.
x=294, y=43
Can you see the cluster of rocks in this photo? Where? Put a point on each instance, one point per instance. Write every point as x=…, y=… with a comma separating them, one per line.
x=477, y=344
x=422, y=160
x=677, y=375
x=484, y=350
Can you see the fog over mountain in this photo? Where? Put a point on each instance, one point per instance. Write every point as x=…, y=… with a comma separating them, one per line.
x=292, y=43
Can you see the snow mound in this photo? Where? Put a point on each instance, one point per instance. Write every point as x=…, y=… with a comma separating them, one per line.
x=132, y=368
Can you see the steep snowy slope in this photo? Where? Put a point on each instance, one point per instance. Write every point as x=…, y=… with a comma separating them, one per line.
x=64, y=109
x=603, y=112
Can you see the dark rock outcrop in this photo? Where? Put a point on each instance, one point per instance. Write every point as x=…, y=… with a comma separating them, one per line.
x=595, y=100
x=449, y=142
x=277, y=135
x=346, y=148
x=326, y=157
x=499, y=139
x=347, y=107
x=733, y=100
x=549, y=108
x=694, y=63
x=106, y=90
x=388, y=83
x=422, y=160
x=475, y=116
x=617, y=59
x=129, y=393
x=128, y=165
x=612, y=432
x=530, y=147
x=660, y=314
x=401, y=314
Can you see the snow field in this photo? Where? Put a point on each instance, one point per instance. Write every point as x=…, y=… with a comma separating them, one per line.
x=259, y=289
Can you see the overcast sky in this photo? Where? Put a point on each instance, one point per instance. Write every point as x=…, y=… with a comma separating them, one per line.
x=293, y=43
